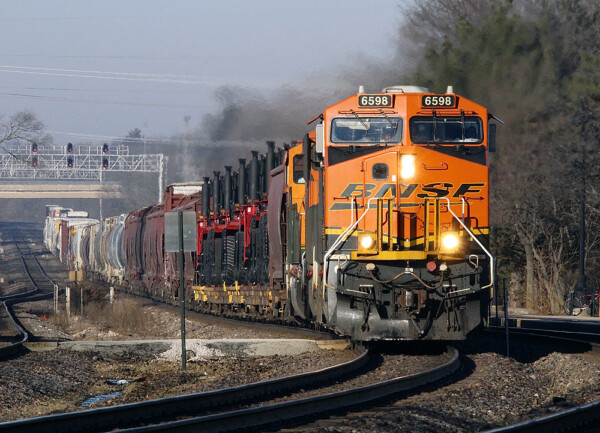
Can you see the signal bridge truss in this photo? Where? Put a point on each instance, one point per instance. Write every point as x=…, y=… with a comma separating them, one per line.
x=85, y=163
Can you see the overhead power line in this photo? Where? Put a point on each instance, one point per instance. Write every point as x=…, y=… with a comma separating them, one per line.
x=94, y=101
x=156, y=78
x=135, y=74
x=72, y=89
x=128, y=76
x=109, y=17
x=87, y=56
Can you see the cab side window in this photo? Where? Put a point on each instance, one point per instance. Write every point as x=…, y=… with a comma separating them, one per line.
x=298, y=167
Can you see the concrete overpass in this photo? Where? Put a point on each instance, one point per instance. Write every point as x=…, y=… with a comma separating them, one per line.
x=61, y=190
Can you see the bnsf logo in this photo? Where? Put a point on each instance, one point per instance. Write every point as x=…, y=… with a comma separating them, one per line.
x=430, y=190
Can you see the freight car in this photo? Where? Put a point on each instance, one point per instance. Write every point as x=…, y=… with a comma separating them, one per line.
x=374, y=225
x=64, y=236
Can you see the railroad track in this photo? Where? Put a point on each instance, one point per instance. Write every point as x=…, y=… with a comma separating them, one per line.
x=580, y=329
x=212, y=411
x=40, y=286
x=569, y=420
x=577, y=419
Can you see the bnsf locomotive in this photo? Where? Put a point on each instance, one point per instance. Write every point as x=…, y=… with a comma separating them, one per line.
x=374, y=225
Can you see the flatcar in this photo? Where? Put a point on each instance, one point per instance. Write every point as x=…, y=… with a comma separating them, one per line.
x=374, y=225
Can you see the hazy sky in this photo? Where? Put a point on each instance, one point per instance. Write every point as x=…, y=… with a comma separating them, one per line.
x=97, y=69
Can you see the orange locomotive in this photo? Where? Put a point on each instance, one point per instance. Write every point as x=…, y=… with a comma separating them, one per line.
x=392, y=194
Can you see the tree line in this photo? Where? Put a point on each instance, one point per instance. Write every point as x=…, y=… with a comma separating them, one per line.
x=536, y=65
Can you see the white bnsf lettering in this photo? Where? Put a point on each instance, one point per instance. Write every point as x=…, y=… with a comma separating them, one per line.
x=388, y=190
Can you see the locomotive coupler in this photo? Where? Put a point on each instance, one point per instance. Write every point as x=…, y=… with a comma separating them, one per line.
x=411, y=300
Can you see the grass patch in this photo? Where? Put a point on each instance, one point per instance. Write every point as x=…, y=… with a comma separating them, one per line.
x=125, y=316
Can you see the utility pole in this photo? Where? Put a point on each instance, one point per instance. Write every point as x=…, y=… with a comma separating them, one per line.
x=100, y=174
x=582, y=234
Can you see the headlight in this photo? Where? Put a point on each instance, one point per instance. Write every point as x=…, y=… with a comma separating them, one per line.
x=449, y=241
x=366, y=243
x=407, y=166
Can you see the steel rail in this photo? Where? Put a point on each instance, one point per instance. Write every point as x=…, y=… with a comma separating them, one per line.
x=262, y=416
x=9, y=300
x=21, y=294
x=574, y=336
x=583, y=329
x=109, y=418
x=29, y=271
x=37, y=262
x=13, y=348
x=574, y=419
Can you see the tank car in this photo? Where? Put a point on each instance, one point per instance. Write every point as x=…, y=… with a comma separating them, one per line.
x=66, y=235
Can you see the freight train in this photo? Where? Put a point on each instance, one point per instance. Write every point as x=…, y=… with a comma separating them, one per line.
x=374, y=225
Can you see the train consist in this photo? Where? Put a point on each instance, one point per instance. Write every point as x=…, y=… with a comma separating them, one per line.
x=374, y=225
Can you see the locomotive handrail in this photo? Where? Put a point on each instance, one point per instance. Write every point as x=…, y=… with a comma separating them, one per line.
x=476, y=240
x=341, y=238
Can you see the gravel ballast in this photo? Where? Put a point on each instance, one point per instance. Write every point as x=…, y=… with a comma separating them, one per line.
x=495, y=391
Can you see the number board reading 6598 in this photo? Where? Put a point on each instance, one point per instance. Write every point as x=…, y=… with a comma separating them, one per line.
x=375, y=101
x=442, y=101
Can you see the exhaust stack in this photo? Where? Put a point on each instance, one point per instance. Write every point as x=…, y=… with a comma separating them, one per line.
x=217, y=194
x=241, y=199
x=227, y=193
x=206, y=197
x=253, y=192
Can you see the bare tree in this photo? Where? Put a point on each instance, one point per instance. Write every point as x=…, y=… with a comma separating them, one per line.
x=23, y=126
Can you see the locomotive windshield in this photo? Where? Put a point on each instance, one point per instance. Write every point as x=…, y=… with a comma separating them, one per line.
x=366, y=130
x=446, y=130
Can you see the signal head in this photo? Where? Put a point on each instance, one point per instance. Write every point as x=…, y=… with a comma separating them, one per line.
x=34, y=147
x=70, y=147
x=105, y=148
